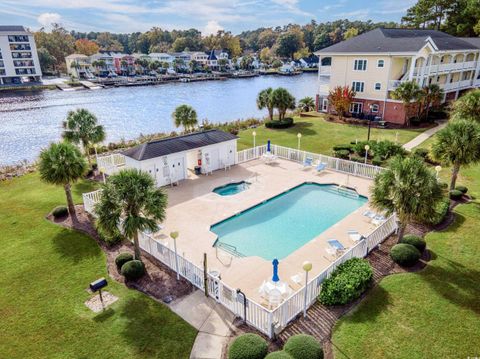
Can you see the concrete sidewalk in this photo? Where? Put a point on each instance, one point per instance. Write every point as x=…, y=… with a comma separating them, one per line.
x=424, y=136
x=213, y=322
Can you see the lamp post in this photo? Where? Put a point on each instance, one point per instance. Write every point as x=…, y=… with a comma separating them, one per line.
x=369, y=121
x=438, y=169
x=299, y=136
x=307, y=267
x=254, y=134
x=367, y=147
x=174, y=236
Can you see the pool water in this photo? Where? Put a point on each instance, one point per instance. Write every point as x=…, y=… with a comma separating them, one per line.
x=231, y=188
x=279, y=226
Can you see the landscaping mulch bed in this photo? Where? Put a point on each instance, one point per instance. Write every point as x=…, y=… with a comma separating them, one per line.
x=160, y=282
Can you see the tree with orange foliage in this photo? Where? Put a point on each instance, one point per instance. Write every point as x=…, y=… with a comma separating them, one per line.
x=86, y=47
x=341, y=98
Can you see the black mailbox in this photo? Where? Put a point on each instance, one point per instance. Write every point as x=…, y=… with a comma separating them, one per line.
x=98, y=284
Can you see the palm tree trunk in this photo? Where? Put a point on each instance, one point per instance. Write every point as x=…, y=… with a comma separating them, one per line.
x=136, y=246
x=401, y=230
x=70, y=204
x=270, y=113
x=455, y=170
x=407, y=117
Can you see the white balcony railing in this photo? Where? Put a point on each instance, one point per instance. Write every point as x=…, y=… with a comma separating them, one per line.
x=441, y=68
x=456, y=85
x=324, y=89
x=325, y=70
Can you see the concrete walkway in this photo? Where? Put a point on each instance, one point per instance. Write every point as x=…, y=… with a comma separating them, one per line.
x=213, y=322
x=424, y=136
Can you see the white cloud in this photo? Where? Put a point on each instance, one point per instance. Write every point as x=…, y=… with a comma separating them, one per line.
x=48, y=18
x=212, y=27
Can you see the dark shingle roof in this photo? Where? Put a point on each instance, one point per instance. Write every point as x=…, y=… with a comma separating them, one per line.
x=397, y=40
x=166, y=146
x=13, y=28
x=475, y=41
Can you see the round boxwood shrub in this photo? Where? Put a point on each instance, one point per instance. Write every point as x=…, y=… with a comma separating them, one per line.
x=456, y=194
x=133, y=269
x=347, y=147
x=377, y=161
x=347, y=282
x=282, y=354
x=344, y=154
x=123, y=258
x=405, y=254
x=285, y=123
x=415, y=241
x=443, y=185
x=248, y=346
x=303, y=346
x=462, y=189
x=421, y=152
x=60, y=211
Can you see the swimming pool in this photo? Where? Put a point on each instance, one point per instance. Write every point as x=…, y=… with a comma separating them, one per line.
x=231, y=188
x=279, y=226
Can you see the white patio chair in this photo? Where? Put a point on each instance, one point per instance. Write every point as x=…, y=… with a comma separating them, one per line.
x=274, y=298
x=355, y=235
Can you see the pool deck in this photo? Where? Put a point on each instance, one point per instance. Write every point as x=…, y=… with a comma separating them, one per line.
x=193, y=208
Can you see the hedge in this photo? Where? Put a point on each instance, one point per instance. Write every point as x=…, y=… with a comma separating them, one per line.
x=285, y=123
x=415, y=241
x=60, y=211
x=347, y=147
x=405, y=254
x=302, y=346
x=440, y=211
x=133, y=270
x=347, y=282
x=282, y=354
x=123, y=258
x=456, y=194
x=421, y=152
x=344, y=154
x=462, y=189
x=248, y=346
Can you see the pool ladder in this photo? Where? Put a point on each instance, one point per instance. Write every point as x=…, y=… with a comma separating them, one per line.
x=229, y=249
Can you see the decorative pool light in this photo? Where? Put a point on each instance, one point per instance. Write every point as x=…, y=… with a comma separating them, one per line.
x=307, y=267
x=438, y=169
x=299, y=136
x=254, y=134
x=367, y=147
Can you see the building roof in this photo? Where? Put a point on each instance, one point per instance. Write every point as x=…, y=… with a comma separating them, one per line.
x=76, y=56
x=12, y=28
x=211, y=55
x=166, y=146
x=398, y=40
x=475, y=41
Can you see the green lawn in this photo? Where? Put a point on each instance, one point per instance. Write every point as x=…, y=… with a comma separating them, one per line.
x=434, y=313
x=44, y=275
x=320, y=136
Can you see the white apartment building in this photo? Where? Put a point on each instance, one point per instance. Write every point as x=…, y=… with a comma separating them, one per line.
x=18, y=56
x=375, y=63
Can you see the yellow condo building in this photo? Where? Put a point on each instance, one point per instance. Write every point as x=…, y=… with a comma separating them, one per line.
x=375, y=63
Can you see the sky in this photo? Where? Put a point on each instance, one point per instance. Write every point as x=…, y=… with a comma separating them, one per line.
x=209, y=16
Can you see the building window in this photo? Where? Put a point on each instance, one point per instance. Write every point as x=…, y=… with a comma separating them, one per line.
x=325, y=105
x=374, y=108
x=25, y=71
x=380, y=63
x=358, y=86
x=19, y=47
x=356, y=107
x=21, y=55
x=360, y=65
x=17, y=38
x=23, y=63
x=2, y=71
x=378, y=86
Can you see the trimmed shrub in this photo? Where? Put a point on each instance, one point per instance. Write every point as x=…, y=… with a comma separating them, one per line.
x=443, y=185
x=344, y=154
x=356, y=158
x=248, y=346
x=405, y=254
x=440, y=212
x=60, y=211
x=421, y=152
x=285, y=123
x=303, y=346
x=462, y=189
x=359, y=147
x=415, y=241
x=347, y=282
x=377, y=161
x=386, y=149
x=456, y=194
x=282, y=354
x=123, y=258
x=133, y=269
x=348, y=147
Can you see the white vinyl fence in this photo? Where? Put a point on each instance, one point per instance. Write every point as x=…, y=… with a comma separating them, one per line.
x=110, y=164
x=266, y=321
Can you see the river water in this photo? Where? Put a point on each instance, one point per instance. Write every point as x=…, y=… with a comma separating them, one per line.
x=29, y=121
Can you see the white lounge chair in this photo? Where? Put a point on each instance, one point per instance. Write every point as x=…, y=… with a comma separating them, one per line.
x=355, y=235
x=321, y=167
x=308, y=162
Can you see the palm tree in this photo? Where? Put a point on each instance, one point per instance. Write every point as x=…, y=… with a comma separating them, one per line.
x=81, y=127
x=185, y=116
x=458, y=145
x=409, y=93
x=408, y=188
x=306, y=104
x=283, y=101
x=431, y=96
x=265, y=100
x=62, y=164
x=130, y=200
x=467, y=107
